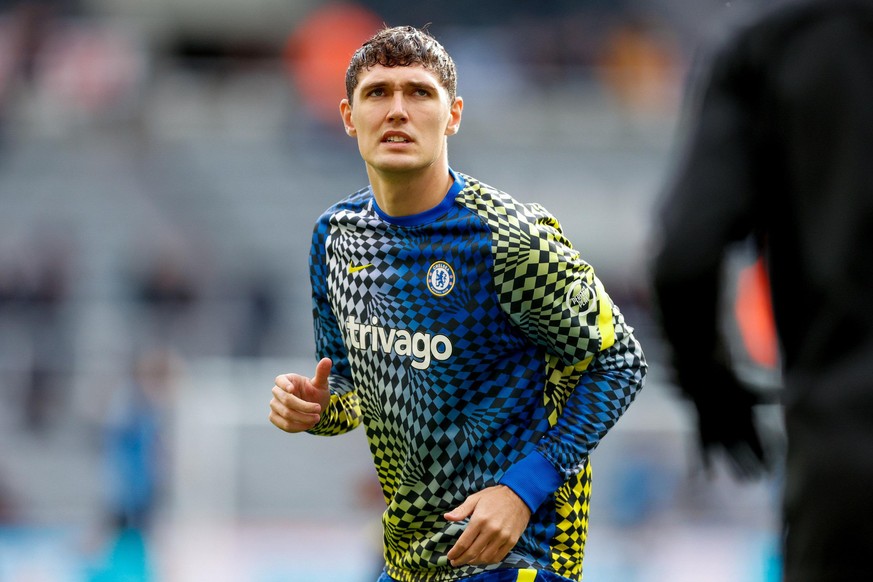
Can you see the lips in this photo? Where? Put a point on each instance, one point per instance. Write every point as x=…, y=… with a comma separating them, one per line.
x=396, y=137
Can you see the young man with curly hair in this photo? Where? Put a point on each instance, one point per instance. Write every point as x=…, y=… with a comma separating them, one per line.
x=460, y=327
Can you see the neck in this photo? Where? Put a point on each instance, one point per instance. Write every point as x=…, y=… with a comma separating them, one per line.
x=404, y=194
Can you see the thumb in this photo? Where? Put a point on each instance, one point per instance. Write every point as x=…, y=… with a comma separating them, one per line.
x=322, y=372
x=463, y=511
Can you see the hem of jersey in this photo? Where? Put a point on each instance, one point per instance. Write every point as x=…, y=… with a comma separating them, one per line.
x=533, y=479
x=500, y=574
x=428, y=215
x=444, y=574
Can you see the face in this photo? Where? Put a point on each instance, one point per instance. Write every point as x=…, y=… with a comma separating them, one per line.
x=401, y=117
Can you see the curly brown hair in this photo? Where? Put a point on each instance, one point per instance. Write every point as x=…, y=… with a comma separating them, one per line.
x=402, y=46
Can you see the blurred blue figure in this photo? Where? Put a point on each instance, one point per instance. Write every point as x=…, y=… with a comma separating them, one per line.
x=126, y=560
x=135, y=456
x=136, y=465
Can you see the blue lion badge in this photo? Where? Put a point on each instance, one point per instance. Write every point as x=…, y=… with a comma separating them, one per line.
x=440, y=278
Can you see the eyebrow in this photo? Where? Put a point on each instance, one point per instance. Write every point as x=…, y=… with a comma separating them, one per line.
x=415, y=84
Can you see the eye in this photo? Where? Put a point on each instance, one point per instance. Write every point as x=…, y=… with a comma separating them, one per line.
x=377, y=92
x=422, y=92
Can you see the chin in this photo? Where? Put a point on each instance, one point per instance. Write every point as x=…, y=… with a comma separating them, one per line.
x=398, y=166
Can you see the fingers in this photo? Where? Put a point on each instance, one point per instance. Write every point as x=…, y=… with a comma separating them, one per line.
x=290, y=426
x=482, y=543
x=485, y=540
x=461, y=552
x=747, y=461
x=289, y=390
x=288, y=411
x=322, y=372
x=497, y=519
x=463, y=511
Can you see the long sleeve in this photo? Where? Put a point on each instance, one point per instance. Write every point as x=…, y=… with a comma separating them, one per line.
x=344, y=411
x=477, y=348
x=595, y=365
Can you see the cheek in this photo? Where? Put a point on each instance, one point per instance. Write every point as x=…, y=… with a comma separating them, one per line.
x=438, y=122
x=362, y=119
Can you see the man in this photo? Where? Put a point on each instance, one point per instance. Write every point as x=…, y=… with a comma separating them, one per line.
x=479, y=350
x=781, y=150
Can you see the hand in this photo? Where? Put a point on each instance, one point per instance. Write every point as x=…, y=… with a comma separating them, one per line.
x=298, y=401
x=497, y=519
x=726, y=425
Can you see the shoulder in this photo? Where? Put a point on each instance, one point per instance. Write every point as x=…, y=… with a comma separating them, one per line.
x=500, y=210
x=352, y=204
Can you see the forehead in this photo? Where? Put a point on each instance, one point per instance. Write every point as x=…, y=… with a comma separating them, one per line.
x=403, y=75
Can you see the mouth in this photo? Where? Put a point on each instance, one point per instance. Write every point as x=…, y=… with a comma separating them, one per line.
x=395, y=137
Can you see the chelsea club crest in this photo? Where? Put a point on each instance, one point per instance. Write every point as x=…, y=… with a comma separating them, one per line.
x=440, y=278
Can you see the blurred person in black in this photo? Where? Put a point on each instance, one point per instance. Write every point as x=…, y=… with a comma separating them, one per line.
x=781, y=150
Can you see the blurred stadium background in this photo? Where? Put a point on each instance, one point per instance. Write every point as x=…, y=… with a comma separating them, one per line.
x=161, y=164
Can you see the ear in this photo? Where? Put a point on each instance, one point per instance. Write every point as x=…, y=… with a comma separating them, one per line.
x=455, y=116
x=346, y=114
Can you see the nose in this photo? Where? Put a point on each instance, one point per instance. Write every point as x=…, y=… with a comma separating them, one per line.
x=397, y=111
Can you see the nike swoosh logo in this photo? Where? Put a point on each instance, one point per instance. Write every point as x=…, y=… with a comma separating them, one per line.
x=356, y=268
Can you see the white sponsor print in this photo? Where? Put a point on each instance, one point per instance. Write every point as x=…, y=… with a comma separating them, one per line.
x=421, y=347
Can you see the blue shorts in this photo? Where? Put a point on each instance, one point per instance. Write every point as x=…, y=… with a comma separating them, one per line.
x=504, y=575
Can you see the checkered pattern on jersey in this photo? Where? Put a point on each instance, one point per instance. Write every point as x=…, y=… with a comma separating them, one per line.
x=440, y=429
x=535, y=268
x=344, y=413
x=440, y=433
x=571, y=529
x=600, y=396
